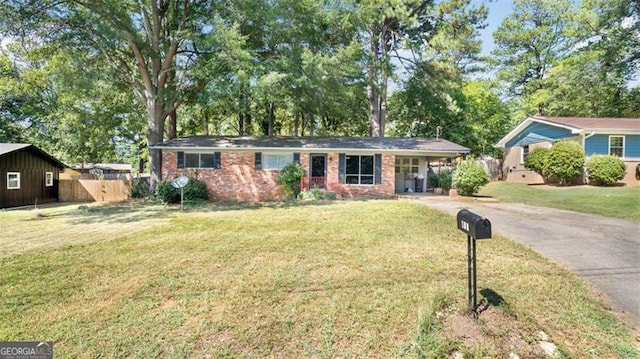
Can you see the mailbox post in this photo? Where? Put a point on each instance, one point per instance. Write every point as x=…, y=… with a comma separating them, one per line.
x=476, y=227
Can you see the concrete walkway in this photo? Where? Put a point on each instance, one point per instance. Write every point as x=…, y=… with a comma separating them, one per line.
x=604, y=251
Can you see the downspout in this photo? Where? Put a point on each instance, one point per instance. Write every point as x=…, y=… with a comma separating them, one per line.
x=584, y=147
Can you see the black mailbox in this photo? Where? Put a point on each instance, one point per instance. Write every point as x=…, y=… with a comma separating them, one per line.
x=474, y=225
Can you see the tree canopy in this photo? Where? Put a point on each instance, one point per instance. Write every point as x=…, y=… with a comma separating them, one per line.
x=95, y=81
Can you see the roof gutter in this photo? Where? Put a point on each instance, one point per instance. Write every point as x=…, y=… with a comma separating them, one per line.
x=306, y=149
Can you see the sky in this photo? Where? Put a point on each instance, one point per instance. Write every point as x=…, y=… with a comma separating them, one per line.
x=498, y=10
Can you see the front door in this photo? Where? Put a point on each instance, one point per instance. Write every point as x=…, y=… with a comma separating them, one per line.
x=318, y=170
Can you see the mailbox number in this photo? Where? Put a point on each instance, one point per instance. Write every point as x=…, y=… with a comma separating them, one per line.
x=464, y=225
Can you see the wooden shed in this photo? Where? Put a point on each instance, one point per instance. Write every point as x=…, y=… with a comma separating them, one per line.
x=28, y=175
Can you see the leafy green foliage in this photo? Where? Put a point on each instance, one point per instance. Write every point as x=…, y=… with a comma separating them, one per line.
x=444, y=179
x=166, y=193
x=565, y=161
x=289, y=179
x=194, y=192
x=469, y=177
x=318, y=194
x=140, y=188
x=605, y=169
x=537, y=161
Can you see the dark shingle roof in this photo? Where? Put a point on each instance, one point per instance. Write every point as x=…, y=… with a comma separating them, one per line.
x=6, y=148
x=382, y=144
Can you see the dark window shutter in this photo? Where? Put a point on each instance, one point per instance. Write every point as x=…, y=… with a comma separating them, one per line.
x=377, y=170
x=180, y=159
x=342, y=167
x=258, y=160
x=217, y=163
x=296, y=157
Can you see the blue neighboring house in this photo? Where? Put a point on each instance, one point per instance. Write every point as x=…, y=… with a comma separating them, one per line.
x=606, y=136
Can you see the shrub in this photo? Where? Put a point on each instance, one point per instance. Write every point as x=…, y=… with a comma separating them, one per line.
x=605, y=169
x=566, y=161
x=194, y=192
x=289, y=179
x=445, y=178
x=469, y=177
x=434, y=180
x=140, y=188
x=537, y=161
x=166, y=193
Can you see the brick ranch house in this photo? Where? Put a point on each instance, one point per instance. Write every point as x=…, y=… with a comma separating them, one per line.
x=245, y=168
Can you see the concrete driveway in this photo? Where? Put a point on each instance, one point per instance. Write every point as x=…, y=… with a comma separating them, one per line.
x=604, y=251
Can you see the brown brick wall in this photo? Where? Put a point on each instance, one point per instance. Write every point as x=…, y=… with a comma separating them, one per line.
x=384, y=190
x=238, y=180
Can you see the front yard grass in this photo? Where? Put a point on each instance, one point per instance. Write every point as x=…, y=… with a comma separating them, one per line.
x=357, y=279
x=616, y=202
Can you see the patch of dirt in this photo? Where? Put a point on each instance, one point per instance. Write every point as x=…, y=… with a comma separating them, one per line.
x=494, y=330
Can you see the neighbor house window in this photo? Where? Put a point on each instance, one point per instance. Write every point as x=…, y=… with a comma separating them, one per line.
x=276, y=161
x=359, y=169
x=616, y=146
x=199, y=160
x=525, y=153
x=13, y=180
x=48, y=179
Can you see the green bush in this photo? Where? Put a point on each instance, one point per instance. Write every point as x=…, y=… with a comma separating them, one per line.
x=289, y=179
x=605, y=169
x=566, y=161
x=445, y=178
x=317, y=194
x=433, y=180
x=537, y=161
x=166, y=193
x=195, y=192
x=140, y=188
x=469, y=177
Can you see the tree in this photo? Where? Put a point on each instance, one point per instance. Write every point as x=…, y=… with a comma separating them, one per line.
x=158, y=47
x=528, y=43
x=426, y=29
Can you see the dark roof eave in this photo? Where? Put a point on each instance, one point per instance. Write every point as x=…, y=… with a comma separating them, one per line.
x=311, y=149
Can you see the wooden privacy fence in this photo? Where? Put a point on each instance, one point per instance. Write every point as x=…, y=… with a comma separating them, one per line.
x=93, y=190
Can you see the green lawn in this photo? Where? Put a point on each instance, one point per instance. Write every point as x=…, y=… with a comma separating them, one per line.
x=617, y=202
x=353, y=279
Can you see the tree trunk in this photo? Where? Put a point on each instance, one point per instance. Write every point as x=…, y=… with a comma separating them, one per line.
x=272, y=118
x=154, y=136
x=296, y=123
x=173, y=124
x=372, y=75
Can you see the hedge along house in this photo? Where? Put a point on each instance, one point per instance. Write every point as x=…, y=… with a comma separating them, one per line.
x=28, y=175
x=246, y=168
x=602, y=136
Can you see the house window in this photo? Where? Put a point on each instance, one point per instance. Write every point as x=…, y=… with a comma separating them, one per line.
x=199, y=160
x=13, y=180
x=407, y=165
x=525, y=153
x=276, y=161
x=48, y=179
x=359, y=169
x=616, y=146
